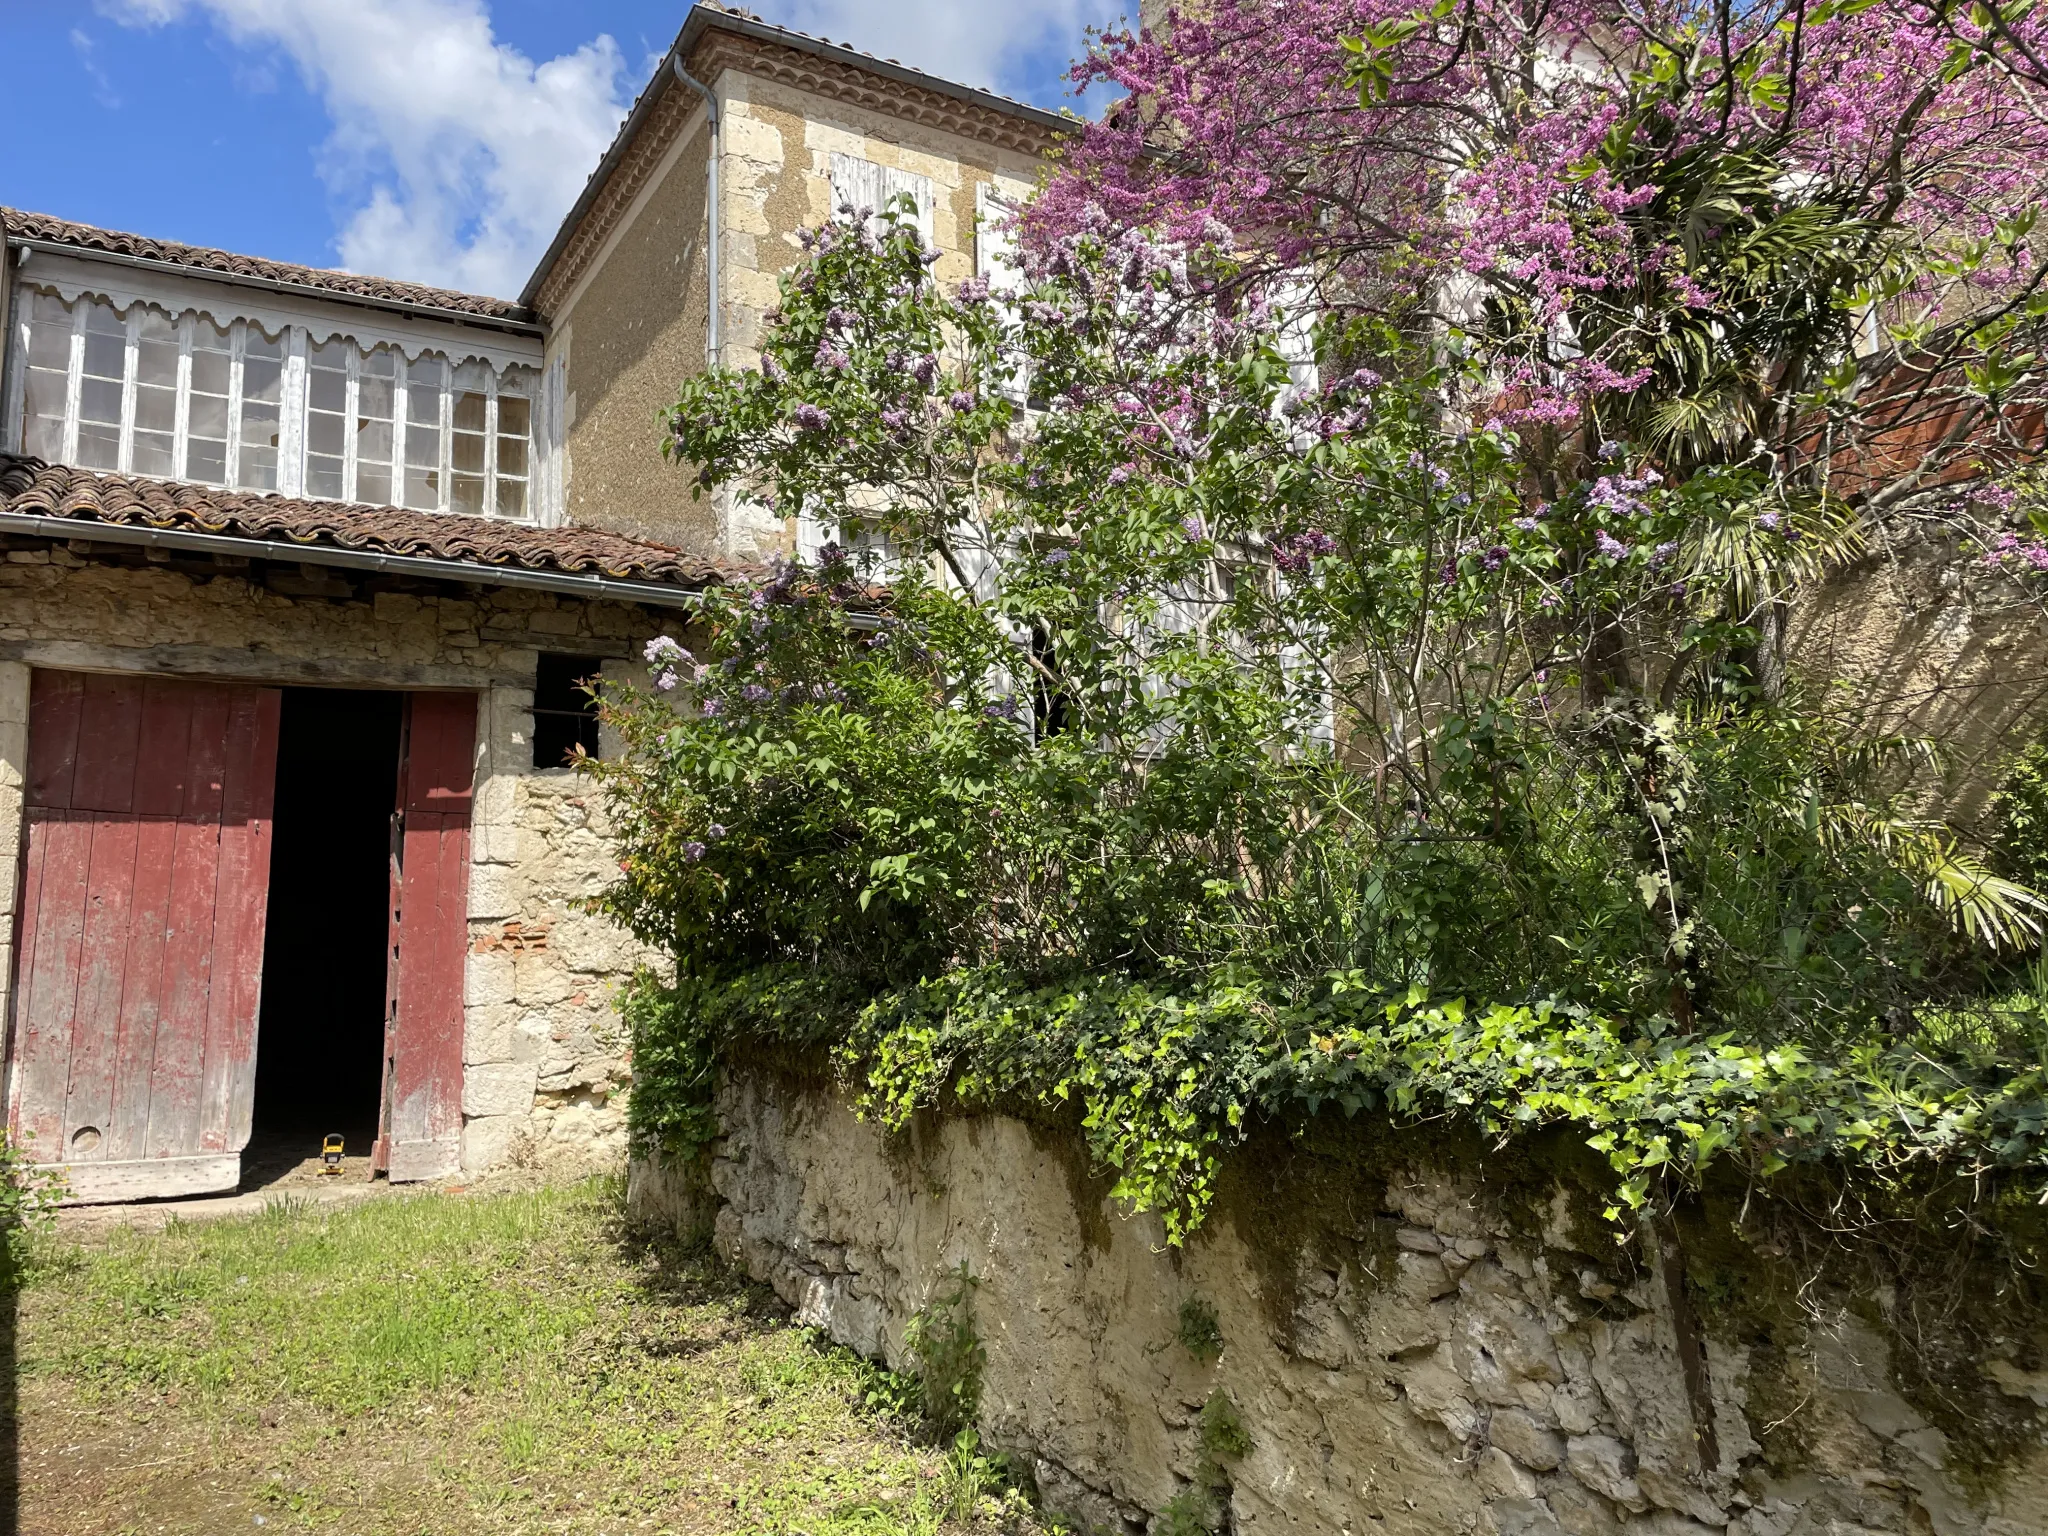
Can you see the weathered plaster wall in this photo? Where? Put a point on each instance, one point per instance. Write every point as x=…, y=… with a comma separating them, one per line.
x=1408, y=1354
x=1924, y=639
x=632, y=331
x=633, y=326
x=545, y=1062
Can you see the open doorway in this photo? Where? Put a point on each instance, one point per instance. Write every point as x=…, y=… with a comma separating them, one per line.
x=320, y=1042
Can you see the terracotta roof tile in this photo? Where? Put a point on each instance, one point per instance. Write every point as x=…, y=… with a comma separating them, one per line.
x=42, y=226
x=54, y=490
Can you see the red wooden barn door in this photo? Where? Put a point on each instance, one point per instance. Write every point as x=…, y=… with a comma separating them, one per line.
x=139, y=960
x=421, y=1135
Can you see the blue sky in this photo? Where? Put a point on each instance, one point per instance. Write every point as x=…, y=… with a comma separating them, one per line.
x=436, y=140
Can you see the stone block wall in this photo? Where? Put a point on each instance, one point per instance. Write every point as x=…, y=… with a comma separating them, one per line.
x=546, y=1065
x=1410, y=1348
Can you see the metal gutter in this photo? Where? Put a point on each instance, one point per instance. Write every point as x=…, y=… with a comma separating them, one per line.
x=703, y=19
x=710, y=208
x=278, y=285
x=475, y=573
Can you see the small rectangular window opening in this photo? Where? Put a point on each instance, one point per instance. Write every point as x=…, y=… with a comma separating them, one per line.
x=564, y=714
x=1052, y=702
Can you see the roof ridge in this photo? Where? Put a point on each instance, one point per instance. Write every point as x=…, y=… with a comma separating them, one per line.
x=706, y=17
x=25, y=224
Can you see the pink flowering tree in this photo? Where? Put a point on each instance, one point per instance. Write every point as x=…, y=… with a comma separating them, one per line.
x=1167, y=731
x=1799, y=235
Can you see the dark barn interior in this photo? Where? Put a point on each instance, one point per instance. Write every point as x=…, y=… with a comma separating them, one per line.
x=320, y=1040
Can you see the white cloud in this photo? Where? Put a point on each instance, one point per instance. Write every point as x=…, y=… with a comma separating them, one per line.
x=457, y=154
x=1003, y=45
x=103, y=90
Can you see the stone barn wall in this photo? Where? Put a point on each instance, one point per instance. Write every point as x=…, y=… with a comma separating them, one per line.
x=545, y=1054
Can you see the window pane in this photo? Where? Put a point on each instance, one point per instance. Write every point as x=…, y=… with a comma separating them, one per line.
x=43, y=413
x=105, y=355
x=206, y=461
x=262, y=380
x=49, y=336
x=323, y=433
x=154, y=453
x=373, y=483
x=467, y=494
x=422, y=446
x=100, y=400
x=423, y=489
x=468, y=454
x=511, y=456
x=210, y=366
x=515, y=416
x=469, y=413
x=373, y=444
x=43, y=438
x=99, y=445
x=373, y=397
x=425, y=376
x=156, y=350
x=258, y=468
x=262, y=387
x=323, y=477
x=156, y=410
x=209, y=416
x=326, y=390
x=511, y=497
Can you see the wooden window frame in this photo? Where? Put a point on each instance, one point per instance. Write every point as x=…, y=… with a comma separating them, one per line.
x=294, y=404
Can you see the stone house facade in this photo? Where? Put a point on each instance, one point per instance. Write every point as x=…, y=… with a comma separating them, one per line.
x=299, y=570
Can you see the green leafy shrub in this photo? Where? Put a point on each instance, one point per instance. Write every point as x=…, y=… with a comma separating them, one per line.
x=28, y=1203
x=950, y=1356
x=1199, y=1332
x=1200, y=747
x=1223, y=1433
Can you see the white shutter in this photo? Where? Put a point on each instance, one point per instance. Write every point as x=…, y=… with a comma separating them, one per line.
x=551, y=457
x=995, y=261
x=1294, y=297
x=858, y=184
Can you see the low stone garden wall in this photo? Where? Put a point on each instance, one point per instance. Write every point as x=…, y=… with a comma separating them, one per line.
x=1391, y=1333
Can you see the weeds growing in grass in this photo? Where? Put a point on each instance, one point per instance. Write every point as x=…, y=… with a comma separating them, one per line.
x=496, y=1363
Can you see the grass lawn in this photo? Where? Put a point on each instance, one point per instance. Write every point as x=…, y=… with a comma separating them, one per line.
x=453, y=1363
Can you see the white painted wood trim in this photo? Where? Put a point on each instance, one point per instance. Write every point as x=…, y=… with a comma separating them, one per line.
x=74, y=382
x=291, y=416
x=16, y=382
x=131, y=350
x=74, y=276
